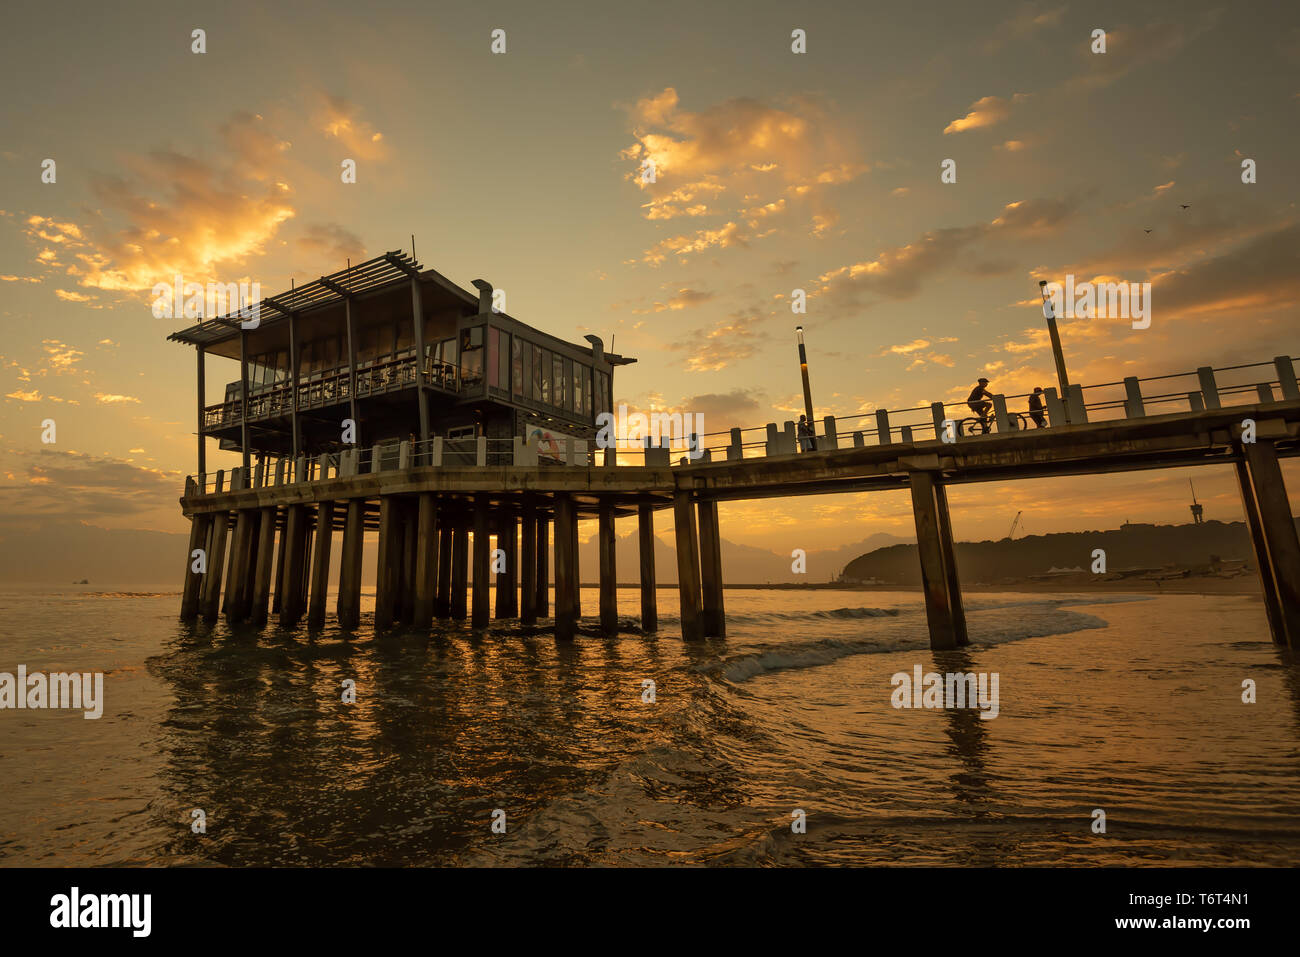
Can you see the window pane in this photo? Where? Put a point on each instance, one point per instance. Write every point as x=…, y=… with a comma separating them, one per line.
x=577, y=390
x=494, y=350
x=536, y=393
x=517, y=367
x=557, y=370
x=546, y=376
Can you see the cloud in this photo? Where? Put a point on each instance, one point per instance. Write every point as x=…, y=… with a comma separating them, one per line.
x=984, y=112
x=75, y=484
x=682, y=299
x=728, y=341
x=723, y=408
x=332, y=243
x=109, y=398
x=754, y=166
x=340, y=120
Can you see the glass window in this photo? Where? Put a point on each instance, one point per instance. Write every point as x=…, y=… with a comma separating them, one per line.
x=546, y=376
x=517, y=367
x=586, y=391
x=536, y=392
x=559, y=379
x=494, y=352
x=570, y=373
x=577, y=388
x=602, y=394
x=330, y=353
x=503, y=362
x=471, y=354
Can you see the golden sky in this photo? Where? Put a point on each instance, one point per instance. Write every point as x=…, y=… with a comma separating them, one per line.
x=774, y=171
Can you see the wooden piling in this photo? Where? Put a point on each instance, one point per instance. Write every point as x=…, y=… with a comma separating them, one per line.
x=210, y=602
x=1279, y=533
x=649, y=598
x=952, y=584
x=528, y=566
x=265, y=562
x=442, y=602
x=348, y=609
x=480, y=607
x=1259, y=546
x=566, y=568
x=460, y=570
x=295, y=536
x=688, y=564
x=713, y=621
x=320, y=565
x=608, y=569
x=426, y=560
x=934, y=576
x=390, y=555
x=405, y=607
x=543, y=575
x=199, y=526
x=507, y=580
x=235, y=576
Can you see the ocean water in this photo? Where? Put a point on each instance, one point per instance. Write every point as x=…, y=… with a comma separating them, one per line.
x=1128, y=705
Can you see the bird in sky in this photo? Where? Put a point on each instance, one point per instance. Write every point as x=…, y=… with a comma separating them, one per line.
x=1186, y=205
x=1145, y=230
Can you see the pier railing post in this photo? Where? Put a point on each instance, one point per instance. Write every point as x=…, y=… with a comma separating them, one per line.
x=882, y=427
x=1209, y=388
x=1078, y=408
x=1000, y=417
x=1055, y=407
x=830, y=437
x=736, y=450
x=1285, y=369
x=1133, y=405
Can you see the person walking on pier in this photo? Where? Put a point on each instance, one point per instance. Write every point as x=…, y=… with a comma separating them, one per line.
x=980, y=404
x=1036, y=411
x=807, y=438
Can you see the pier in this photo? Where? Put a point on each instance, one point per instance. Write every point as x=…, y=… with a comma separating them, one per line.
x=463, y=468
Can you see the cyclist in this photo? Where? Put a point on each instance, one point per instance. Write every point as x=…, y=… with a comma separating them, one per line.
x=980, y=402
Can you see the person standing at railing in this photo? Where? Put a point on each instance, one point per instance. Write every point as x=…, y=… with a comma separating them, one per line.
x=807, y=437
x=1036, y=410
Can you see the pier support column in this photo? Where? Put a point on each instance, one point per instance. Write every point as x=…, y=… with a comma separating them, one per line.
x=304, y=580
x=936, y=581
x=1280, y=561
x=950, y=565
x=442, y=603
x=265, y=561
x=528, y=566
x=348, y=609
x=199, y=525
x=210, y=602
x=566, y=568
x=508, y=578
x=236, y=569
x=543, y=573
x=649, y=599
x=481, y=608
x=688, y=564
x=320, y=565
x=278, y=577
x=295, y=560
x=387, y=578
x=426, y=560
x=460, y=570
x=608, y=570
x=713, y=619
x=409, y=518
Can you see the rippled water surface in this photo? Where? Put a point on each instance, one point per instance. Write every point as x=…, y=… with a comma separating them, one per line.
x=1129, y=705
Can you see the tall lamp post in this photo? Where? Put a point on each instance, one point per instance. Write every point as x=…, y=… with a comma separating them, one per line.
x=807, y=389
x=1062, y=379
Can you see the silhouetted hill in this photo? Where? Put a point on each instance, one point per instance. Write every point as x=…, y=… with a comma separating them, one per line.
x=1128, y=547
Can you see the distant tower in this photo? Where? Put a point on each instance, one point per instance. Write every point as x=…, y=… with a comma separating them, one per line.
x=1197, y=508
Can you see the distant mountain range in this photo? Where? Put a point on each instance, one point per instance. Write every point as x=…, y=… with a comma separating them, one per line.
x=1128, y=547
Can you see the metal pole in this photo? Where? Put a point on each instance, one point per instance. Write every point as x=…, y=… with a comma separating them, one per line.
x=1063, y=380
x=807, y=389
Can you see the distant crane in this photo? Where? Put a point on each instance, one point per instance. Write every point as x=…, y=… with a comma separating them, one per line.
x=1014, y=522
x=1198, y=510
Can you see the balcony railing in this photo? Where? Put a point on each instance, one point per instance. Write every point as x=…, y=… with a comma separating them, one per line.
x=331, y=388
